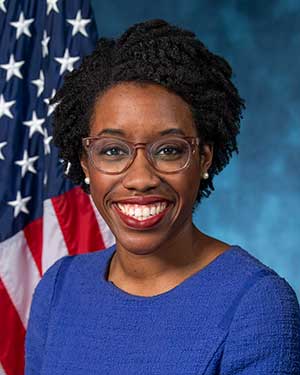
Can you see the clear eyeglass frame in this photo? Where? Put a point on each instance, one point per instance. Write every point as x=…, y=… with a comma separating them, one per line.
x=191, y=142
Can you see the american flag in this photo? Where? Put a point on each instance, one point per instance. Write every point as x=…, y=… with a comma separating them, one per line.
x=43, y=216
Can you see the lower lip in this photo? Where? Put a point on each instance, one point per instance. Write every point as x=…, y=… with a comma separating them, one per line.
x=143, y=224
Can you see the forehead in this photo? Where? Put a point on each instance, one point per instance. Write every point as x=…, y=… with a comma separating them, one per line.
x=141, y=112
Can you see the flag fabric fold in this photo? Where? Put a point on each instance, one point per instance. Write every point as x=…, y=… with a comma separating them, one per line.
x=43, y=216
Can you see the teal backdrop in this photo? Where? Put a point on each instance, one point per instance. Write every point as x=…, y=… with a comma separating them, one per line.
x=256, y=201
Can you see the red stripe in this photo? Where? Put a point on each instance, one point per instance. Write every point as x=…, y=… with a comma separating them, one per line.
x=12, y=336
x=78, y=222
x=34, y=236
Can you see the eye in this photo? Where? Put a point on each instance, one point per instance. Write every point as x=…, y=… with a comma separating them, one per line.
x=170, y=150
x=110, y=150
x=113, y=151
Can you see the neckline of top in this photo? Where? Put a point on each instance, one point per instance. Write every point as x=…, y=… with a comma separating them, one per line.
x=118, y=292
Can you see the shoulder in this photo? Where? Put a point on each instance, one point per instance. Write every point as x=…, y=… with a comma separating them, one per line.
x=71, y=267
x=263, y=330
x=239, y=257
x=247, y=287
x=80, y=261
x=262, y=321
x=265, y=304
x=268, y=296
x=240, y=271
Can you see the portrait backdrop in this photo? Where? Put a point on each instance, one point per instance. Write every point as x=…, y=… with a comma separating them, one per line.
x=256, y=200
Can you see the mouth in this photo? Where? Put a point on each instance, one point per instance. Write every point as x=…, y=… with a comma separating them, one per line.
x=142, y=216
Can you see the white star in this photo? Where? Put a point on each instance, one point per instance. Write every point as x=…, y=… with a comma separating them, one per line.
x=45, y=41
x=79, y=24
x=35, y=124
x=2, y=5
x=51, y=107
x=52, y=5
x=5, y=107
x=2, y=144
x=40, y=83
x=45, y=178
x=27, y=163
x=66, y=62
x=19, y=204
x=13, y=68
x=47, y=141
x=22, y=26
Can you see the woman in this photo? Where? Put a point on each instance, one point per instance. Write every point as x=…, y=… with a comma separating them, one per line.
x=145, y=124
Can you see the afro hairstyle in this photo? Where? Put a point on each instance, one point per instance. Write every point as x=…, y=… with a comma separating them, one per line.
x=151, y=52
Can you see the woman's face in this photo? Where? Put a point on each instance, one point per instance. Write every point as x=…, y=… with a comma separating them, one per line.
x=140, y=113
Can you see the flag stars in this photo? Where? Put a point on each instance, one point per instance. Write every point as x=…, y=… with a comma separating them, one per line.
x=52, y=5
x=45, y=42
x=79, y=24
x=2, y=144
x=2, y=6
x=22, y=26
x=19, y=204
x=47, y=140
x=5, y=107
x=45, y=181
x=51, y=107
x=40, y=83
x=27, y=164
x=35, y=124
x=66, y=62
x=13, y=68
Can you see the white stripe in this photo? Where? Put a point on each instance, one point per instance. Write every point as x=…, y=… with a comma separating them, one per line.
x=19, y=273
x=54, y=246
x=2, y=372
x=108, y=237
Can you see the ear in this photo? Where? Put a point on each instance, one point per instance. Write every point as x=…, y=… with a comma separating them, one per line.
x=84, y=164
x=207, y=153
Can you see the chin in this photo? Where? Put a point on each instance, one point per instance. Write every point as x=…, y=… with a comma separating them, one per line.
x=141, y=244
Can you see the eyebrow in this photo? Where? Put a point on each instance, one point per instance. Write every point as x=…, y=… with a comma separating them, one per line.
x=121, y=132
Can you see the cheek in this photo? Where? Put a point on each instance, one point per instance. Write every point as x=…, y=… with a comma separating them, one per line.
x=191, y=187
x=186, y=185
x=100, y=186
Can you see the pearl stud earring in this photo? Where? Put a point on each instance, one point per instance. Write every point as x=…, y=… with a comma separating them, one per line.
x=205, y=175
x=87, y=180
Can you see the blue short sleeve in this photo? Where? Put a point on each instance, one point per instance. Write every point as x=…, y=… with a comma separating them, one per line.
x=264, y=335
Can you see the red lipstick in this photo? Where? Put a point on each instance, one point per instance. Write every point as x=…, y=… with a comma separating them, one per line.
x=143, y=200
x=140, y=224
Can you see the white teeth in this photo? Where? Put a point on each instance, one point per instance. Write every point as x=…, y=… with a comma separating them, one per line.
x=157, y=209
x=146, y=211
x=152, y=210
x=122, y=208
x=142, y=212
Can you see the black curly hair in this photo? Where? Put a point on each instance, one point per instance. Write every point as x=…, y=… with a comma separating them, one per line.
x=152, y=52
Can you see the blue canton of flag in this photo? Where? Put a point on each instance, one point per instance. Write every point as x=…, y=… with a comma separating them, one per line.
x=40, y=40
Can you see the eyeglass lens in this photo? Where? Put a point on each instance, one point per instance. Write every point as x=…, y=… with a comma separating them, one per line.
x=113, y=156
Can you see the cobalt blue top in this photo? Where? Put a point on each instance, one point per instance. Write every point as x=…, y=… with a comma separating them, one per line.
x=234, y=316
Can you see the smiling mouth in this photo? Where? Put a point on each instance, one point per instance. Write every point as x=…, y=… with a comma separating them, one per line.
x=140, y=216
x=142, y=211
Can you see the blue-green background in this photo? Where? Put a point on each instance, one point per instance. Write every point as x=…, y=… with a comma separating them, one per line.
x=256, y=202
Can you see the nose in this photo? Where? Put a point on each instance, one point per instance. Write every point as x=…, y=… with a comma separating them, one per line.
x=141, y=176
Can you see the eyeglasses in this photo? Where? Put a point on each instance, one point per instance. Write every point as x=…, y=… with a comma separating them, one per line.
x=112, y=155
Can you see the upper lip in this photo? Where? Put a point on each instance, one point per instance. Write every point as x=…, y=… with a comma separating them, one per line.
x=142, y=200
